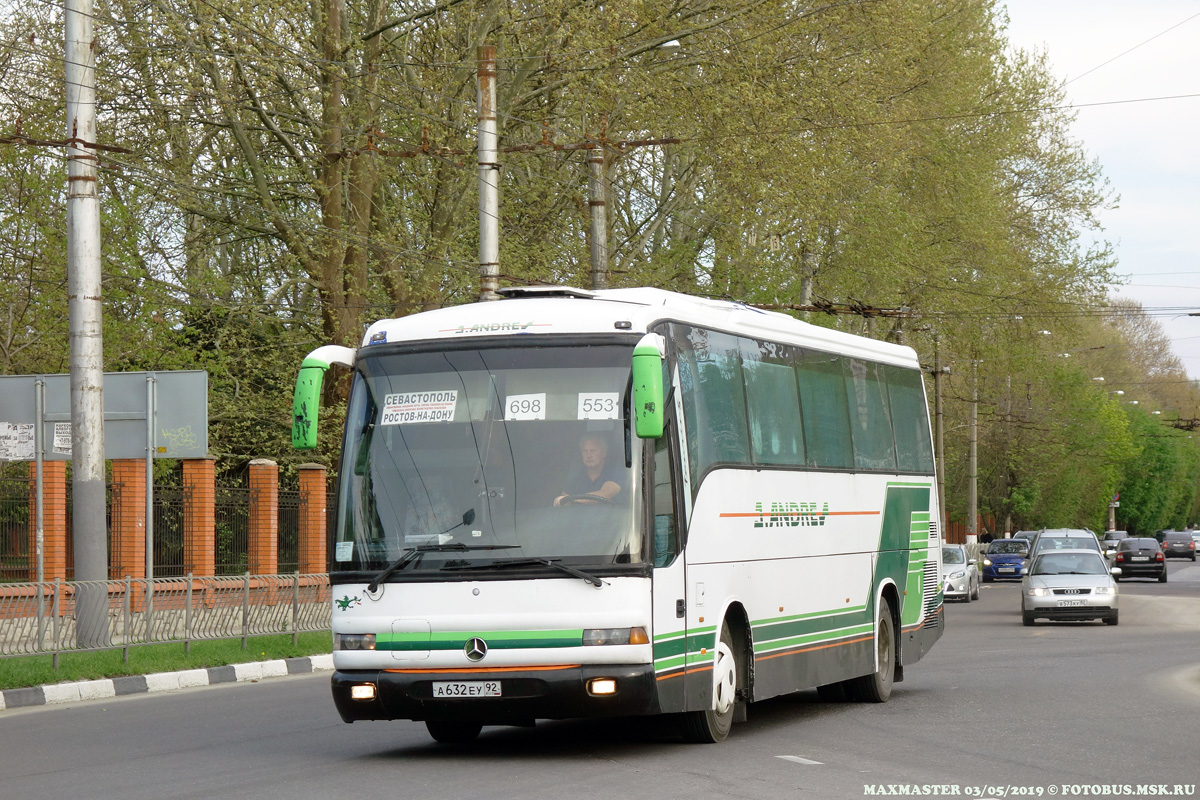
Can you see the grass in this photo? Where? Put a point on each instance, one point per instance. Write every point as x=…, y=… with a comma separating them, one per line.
x=22, y=671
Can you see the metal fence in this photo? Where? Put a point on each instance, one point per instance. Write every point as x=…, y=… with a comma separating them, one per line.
x=14, y=529
x=231, y=532
x=40, y=618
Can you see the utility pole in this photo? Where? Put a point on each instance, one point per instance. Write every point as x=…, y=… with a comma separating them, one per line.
x=938, y=434
x=973, y=463
x=489, y=176
x=85, y=317
x=599, y=221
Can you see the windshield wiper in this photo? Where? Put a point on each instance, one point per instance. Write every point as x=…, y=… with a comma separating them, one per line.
x=411, y=554
x=529, y=562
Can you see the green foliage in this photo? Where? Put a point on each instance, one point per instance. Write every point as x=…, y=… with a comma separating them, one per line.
x=299, y=169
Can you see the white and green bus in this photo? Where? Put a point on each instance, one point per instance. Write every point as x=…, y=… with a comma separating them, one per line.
x=577, y=504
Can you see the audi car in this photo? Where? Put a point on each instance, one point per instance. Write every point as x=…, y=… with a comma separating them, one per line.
x=1069, y=585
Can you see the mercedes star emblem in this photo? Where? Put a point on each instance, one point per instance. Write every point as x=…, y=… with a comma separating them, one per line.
x=476, y=649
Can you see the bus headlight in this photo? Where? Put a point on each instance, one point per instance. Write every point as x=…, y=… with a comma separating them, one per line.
x=354, y=641
x=593, y=636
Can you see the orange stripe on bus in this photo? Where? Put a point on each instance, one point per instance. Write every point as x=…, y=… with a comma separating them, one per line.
x=799, y=513
x=810, y=649
x=683, y=672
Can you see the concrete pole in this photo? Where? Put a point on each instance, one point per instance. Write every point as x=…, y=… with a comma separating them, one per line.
x=938, y=435
x=973, y=463
x=599, y=221
x=489, y=177
x=85, y=315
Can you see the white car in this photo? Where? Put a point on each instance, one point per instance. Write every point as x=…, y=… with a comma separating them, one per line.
x=960, y=576
x=1069, y=585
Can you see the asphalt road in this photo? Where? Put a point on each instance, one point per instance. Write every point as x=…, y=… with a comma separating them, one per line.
x=1053, y=709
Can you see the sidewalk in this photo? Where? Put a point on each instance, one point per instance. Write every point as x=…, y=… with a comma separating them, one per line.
x=59, y=693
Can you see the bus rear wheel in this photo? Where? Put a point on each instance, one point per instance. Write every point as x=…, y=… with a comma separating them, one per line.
x=452, y=731
x=713, y=724
x=877, y=687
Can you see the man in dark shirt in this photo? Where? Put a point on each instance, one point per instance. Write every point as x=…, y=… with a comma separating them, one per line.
x=594, y=476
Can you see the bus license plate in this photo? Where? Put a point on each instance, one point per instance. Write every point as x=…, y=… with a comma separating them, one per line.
x=466, y=689
x=1069, y=603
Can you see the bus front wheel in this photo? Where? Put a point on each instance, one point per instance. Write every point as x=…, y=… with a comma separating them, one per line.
x=452, y=731
x=713, y=724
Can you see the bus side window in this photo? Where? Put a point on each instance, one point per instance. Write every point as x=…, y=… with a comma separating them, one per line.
x=666, y=542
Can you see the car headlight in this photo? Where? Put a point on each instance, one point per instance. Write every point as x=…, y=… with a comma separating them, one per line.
x=987, y=562
x=1105, y=590
x=958, y=574
x=1037, y=591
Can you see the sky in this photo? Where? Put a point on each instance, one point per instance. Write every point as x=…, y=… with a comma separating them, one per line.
x=1112, y=52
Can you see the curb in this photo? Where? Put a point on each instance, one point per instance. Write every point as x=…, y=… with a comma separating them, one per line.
x=79, y=691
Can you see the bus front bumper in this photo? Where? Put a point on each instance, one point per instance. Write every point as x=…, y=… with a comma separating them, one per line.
x=523, y=695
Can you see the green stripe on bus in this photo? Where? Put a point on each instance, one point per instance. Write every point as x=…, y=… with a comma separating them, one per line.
x=792, y=617
x=503, y=640
x=814, y=638
x=809, y=627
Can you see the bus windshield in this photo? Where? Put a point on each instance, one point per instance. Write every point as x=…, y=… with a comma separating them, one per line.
x=464, y=458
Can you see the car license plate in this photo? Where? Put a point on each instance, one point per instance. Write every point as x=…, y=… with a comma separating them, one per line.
x=1070, y=603
x=1141, y=558
x=1007, y=569
x=466, y=689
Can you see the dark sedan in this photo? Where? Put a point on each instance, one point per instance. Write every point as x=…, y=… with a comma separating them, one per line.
x=1179, y=544
x=1140, y=558
x=1004, y=559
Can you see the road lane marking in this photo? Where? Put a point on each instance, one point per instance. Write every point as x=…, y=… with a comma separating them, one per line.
x=800, y=760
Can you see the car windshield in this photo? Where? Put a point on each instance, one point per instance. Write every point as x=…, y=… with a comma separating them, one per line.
x=1002, y=546
x=464, y=453
x=1069, y=564
x=1065, y=543
x=1138, y=544
x=953, y=555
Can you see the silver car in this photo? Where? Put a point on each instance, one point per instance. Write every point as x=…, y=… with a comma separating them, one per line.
x=960, y=576
x=1069, y=585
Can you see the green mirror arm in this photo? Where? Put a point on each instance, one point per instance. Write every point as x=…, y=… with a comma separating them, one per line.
x=306, y=402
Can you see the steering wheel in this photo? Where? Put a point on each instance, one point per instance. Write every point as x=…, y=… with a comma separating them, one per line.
x=584, y=499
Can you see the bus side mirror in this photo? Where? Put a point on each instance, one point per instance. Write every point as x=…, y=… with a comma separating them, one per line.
x=648, y=410
x=306, y=401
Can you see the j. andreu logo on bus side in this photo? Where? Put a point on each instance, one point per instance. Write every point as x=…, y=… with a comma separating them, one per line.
x=493, y=327
x=790, y=515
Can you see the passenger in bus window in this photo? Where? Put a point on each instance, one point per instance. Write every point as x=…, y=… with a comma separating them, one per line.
x=592, y=474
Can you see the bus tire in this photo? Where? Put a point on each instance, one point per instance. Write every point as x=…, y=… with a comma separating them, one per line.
x=453, y=731
x=712, y=725
x=877, y=687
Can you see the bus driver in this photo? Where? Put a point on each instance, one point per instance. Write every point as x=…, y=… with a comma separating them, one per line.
x=594, y=476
